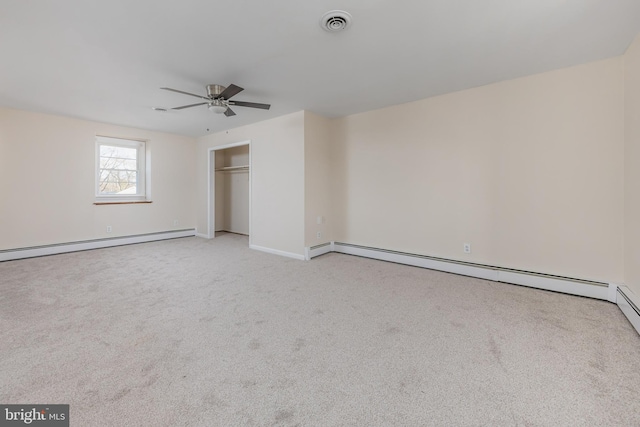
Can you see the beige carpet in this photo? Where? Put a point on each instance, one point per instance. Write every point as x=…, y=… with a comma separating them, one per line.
x=191, y=332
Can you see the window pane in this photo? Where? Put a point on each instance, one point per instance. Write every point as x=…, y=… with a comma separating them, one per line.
x=118, y=184
x=118, y=170
x=118, y=163
x=115, y=151
x=130, y=164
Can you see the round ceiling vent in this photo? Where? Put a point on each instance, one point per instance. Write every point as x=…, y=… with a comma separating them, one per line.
x=335, y=20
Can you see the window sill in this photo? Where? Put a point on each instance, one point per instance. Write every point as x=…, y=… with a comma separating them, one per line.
x=123, y=202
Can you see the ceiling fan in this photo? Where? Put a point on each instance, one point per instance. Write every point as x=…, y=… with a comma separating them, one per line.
x=217, y=99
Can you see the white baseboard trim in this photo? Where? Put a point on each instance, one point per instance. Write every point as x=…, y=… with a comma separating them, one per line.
x=36, y=251
x=316, y=251
x=534, y=280
x=278, y=252
x=416, y=261
x=556, y=284
x=202, y=235
x=630, y=306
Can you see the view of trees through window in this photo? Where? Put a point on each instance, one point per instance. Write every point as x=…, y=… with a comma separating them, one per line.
x=118, y=170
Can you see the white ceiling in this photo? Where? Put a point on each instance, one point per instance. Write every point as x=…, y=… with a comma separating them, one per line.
x=106, y=60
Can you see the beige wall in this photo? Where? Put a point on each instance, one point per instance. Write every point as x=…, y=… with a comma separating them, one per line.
x=529, y=172
x=632, y=167
x=317, y=178
x=277, y=179
x=539, y=174
x=47, y=170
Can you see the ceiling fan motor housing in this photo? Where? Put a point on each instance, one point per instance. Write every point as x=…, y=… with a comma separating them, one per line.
x=213, y=91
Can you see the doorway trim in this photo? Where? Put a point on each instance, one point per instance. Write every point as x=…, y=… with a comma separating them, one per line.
x=211, y=186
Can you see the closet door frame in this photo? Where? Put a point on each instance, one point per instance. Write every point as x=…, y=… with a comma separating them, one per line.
x=211, y=186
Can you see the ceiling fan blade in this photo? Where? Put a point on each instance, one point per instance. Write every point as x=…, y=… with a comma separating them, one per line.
x=185, y=93
x=190, y=105
x=229, y=112
x=230, y=91
x=250, y=104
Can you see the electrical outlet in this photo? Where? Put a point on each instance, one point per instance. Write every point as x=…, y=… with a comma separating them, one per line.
x=467, y=248
x=319, y=235
x=108, y=229
x=175, y=222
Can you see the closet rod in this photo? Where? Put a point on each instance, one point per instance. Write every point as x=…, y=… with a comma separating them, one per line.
x=232, y=168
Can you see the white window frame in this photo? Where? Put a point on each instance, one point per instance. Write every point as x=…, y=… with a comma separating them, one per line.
x=142, y=169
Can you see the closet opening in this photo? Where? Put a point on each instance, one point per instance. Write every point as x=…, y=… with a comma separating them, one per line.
x=229, y=204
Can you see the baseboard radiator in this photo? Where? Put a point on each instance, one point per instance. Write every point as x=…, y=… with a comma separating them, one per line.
x=630, y=306
x=83, y=245
x=586, y=288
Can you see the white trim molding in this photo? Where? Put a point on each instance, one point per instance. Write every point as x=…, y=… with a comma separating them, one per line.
x=61, y=248
x=630, y=306
x=278, y=252
x=564, y=285
x=415, y=260
x=318, y=250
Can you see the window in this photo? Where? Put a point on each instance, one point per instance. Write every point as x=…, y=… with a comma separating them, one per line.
x=120, y=169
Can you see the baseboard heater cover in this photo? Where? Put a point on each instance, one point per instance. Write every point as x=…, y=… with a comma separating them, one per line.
x=567, y=285
x=629, y=305
x=318, y=250
x=83, y=245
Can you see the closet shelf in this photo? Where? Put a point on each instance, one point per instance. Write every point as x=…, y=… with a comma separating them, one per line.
x=233, y=168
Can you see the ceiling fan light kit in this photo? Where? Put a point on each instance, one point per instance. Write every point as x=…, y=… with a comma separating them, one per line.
x=217, y=99
x=217, y=107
